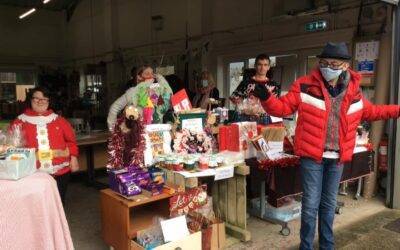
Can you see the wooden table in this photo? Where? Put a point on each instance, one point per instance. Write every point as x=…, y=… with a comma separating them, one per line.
x=121, y=219
x=87, y=142
x=229, y=198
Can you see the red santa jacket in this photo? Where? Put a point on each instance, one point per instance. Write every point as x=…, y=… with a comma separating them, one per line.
x=310, y=98
x=49, y=132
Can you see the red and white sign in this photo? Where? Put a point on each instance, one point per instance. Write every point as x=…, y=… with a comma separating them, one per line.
x=180, y=101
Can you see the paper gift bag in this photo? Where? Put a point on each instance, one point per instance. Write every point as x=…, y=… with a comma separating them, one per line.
x=245, y=132
x=218, y=236
x=223, y=138
x=233, y=138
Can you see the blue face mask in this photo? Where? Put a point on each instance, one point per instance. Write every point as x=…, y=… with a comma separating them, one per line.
x=330, y=74
x=204, y=83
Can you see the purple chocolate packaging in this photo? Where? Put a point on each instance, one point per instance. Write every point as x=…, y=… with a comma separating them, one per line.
x=113, y=178
x=129, y=188
x=154, y=188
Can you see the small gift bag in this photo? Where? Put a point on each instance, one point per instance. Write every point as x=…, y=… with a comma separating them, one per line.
x=241, y=136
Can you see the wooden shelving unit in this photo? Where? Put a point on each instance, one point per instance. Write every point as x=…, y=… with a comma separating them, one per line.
x=122, y=218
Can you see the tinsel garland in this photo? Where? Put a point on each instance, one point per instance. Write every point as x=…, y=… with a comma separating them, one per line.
x=126, y=147
x=289, y=161
x=279, y=163
x=115, y=146
x=138, y=151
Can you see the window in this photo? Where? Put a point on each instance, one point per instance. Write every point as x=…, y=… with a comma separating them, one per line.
x=235, y=75
x=8, y=77
x=93, y=83
x=166, y=70
x=252, y=61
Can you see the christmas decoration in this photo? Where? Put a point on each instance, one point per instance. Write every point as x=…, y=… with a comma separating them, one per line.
x=191, y=142
x=279, y=163
x=127, y=144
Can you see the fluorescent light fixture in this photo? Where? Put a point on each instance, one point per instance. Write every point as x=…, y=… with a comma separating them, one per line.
x=27, y=13
x=46, y=1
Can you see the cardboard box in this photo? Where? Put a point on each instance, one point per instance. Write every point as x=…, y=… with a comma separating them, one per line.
x=218, y=237
x=191, y=242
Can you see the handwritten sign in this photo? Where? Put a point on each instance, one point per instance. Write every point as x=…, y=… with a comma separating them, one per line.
x=194, y=125
x=224, y=173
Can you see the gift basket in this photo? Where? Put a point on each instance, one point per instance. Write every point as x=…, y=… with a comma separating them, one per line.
x=16, y=162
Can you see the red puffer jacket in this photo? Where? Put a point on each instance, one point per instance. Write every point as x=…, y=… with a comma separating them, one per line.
x=310, y=98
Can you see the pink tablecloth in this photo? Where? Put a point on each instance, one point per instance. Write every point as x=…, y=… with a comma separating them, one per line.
x=32, y=215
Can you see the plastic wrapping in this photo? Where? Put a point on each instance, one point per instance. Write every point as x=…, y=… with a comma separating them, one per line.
x=18, y=164
x=152, y=236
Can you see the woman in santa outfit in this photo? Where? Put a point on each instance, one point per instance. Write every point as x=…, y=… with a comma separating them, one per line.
x=52, y=137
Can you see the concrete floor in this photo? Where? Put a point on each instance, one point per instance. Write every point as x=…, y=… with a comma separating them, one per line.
x=359, y=227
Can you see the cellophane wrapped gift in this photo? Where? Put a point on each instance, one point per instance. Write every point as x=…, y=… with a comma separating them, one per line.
x=18, y=163
x=158, y=141
x=151, y=237
x=242, y=134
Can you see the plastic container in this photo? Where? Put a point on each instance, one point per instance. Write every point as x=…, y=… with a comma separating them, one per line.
x=190, y=165
x=286, y=213
x=203, y=163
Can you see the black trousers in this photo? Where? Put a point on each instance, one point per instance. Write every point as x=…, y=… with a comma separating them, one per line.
x=62, y=184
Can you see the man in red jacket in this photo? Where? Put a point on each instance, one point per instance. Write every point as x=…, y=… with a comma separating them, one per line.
x=330, y=106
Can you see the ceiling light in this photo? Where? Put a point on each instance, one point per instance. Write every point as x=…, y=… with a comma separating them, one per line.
x=27, y=13
x=46, y=1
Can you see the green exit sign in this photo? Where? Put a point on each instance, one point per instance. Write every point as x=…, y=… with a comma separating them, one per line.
x=316, y=26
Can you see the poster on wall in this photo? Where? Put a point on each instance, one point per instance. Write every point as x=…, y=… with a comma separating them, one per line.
x=366, y=68
x=367, y=51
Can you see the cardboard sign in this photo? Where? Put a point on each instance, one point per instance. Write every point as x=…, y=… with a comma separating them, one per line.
x=174, y=229
x=223, y=173
x=180, y=101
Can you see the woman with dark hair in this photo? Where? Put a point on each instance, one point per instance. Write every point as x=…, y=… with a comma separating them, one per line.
x=52, y=137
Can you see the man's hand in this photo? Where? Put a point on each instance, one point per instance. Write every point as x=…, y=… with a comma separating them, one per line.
x=261, y=92
x=73, y=164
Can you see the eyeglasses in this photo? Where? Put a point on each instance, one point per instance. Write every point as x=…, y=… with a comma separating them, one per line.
x=37, y=99
x=332, y=65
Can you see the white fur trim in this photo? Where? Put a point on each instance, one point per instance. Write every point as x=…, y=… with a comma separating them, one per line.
x=38, y=120
x=320, y=104
x=355, y=107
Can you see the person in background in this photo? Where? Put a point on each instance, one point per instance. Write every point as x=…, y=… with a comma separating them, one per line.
x=51, y=135
x=145, y=76
x=261, y=75
x=330, y=107
x=133, y=81
x=175, y=83
x=206, y=89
